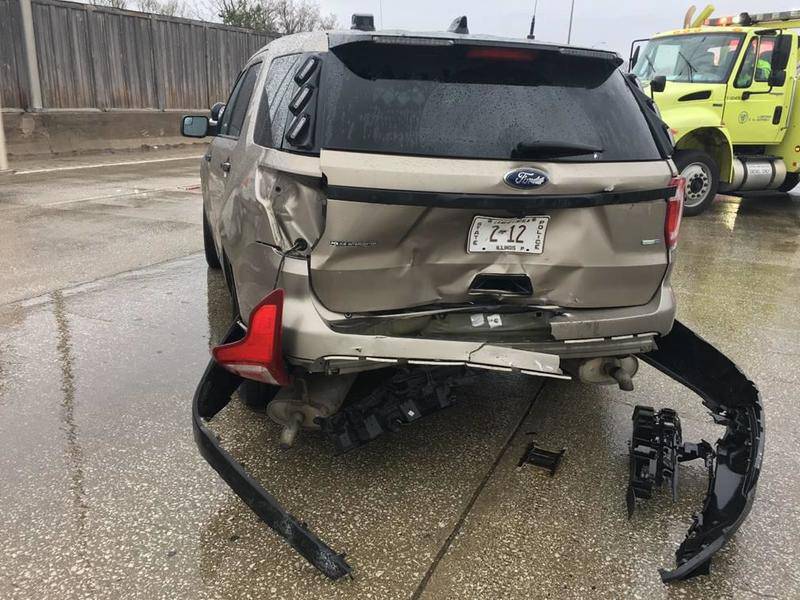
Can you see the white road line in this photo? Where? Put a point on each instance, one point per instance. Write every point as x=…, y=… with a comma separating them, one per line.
x=100, y=166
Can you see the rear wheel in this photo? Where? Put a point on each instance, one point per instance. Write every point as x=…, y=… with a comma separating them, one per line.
x=791, y=181
x=702, y=180
x=208, y=245
x=257, y=395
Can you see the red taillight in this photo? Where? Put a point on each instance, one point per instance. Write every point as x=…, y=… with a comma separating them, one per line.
x=501, y=53
x=672, y=224
x=258, y=355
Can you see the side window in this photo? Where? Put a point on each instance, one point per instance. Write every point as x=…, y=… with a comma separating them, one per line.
x=225, y=117
x=744, y=78
x=273, y=111
x=764, y=60
x=236, y=109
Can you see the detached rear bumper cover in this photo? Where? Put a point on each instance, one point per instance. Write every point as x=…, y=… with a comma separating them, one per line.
x=212, y=395
x=734, y=401
x=682, y=355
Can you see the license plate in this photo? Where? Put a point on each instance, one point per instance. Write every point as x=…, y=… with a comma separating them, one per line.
x=523, y=234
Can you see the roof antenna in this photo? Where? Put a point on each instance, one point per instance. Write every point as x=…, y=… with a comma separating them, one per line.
x=459, y=25
x=533, y=20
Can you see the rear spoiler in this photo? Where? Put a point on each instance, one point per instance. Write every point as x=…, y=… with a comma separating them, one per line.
x=336, y=39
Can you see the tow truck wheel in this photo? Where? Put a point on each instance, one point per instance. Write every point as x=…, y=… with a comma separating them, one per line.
x=208, y=245
x=791, y=181
x=702, y=180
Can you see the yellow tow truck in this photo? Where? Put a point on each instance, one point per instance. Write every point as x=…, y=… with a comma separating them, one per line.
x=727, y=87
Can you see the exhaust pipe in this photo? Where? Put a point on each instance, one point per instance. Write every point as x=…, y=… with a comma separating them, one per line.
x=605, y=370
x=306, y=399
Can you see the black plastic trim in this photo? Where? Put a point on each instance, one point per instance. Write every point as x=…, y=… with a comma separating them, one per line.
x=658, y=128
x=213, y=394
x=513, y=202
x=734, y=401
x=701, y=95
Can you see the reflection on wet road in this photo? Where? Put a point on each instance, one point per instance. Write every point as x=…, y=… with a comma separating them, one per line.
x=105, y=496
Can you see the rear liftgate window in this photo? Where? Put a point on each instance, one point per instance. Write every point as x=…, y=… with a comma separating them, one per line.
x=465, y=101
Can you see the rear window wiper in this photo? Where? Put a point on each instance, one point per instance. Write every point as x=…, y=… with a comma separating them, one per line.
x=551, y=149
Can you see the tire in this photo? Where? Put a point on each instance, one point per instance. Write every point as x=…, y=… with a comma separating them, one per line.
x=256, y=395
x=791, y=181
x=212, y=260
x=702, y=180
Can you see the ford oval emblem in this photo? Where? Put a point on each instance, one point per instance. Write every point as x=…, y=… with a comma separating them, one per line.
x=525, y=178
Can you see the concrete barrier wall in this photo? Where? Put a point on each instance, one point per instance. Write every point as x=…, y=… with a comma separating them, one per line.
x=108, y=78
x=74, y=132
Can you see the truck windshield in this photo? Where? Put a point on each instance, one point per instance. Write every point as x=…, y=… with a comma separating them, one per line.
x=694, y=58
x=463, y=101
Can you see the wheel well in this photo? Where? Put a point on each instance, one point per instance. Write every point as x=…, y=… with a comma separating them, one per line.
x=712, y=141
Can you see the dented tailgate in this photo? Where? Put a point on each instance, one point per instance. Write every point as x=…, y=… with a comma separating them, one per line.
x=397, y=227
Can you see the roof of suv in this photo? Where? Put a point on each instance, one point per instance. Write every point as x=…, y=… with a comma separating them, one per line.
x=321, y=41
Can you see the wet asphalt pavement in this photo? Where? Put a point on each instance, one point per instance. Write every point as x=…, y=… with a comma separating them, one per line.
x=106, y=314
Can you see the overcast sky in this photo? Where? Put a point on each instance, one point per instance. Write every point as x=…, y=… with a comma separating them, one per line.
x=602, y=23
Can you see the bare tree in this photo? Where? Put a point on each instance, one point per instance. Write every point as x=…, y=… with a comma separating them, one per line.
x=172, y=8
x=300, y=15
x=275, y=16
x=111, y=3
x=251, y=14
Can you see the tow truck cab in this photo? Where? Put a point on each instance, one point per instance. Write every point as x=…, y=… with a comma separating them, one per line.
x=726, y=87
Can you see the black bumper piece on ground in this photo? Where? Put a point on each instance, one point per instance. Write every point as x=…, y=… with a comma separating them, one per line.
x=733, y=400
x=734, y=468
x=212, y=395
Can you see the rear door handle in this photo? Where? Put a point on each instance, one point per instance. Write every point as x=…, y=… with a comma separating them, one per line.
x=226, y=166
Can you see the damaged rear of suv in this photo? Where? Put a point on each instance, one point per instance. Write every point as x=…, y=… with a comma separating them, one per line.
x=393, y=211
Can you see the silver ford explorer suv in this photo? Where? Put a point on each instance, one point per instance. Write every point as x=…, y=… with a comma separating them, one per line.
x=394, y=212
x=443, y=198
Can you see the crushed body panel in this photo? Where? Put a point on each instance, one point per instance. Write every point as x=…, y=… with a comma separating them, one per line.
x=732, y=398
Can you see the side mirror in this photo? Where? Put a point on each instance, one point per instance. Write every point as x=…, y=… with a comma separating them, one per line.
x=634, y=58
x=777, y=78
x=217, y=110
x=658, y=83
x=194, y=127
